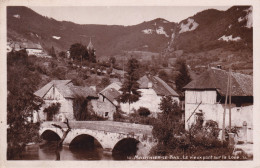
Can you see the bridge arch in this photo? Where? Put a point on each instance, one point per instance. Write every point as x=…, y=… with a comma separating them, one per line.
x=126, y=147
x=50, y=135
x=85, y=141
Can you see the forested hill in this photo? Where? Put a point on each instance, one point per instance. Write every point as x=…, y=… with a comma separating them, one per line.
x=25, y=24
x=209, y=37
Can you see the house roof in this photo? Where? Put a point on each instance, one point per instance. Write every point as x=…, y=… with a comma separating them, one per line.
x=111, y=92
x=31, y=46
x=67, y=89
x=120, y=72
x=242, y=85
x=159, y=86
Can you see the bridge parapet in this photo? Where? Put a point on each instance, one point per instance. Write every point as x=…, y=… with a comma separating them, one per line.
x=108, y=126
x=107, y=133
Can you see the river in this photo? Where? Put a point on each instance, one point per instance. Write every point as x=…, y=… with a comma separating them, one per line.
x=47, y=152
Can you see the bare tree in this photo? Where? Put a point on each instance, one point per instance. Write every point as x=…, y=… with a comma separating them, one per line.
x=60, y=142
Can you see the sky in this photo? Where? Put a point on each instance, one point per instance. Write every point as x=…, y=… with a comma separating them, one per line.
x=125, y=15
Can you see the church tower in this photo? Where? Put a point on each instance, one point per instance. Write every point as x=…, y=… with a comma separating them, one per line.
x=91, y=51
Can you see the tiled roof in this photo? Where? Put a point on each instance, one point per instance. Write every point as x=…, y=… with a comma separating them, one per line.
x=242, y=85
x=160, y=87
x=67, y=89
x=111, y=92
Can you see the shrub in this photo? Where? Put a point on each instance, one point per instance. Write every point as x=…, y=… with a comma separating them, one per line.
x=52, y=110
x=117, y=116
x=142, y=111
x=83, y=110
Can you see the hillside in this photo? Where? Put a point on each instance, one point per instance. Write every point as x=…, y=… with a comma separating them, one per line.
x=209, y=37
x=25, y=24
x=214, y=37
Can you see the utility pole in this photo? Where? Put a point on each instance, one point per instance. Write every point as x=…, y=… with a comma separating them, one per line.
x=224, y=114
x=230, y=91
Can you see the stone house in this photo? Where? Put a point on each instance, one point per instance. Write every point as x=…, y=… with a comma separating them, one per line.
x=107, y=103
x=206, y=95
x=63, y=92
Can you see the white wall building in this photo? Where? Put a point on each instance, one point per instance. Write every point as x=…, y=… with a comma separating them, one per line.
x=63, y=92
x=207, y=94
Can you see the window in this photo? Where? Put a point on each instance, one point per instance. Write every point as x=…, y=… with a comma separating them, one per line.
x=106, y=114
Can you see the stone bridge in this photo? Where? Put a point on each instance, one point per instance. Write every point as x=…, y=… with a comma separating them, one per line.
x=108, y=133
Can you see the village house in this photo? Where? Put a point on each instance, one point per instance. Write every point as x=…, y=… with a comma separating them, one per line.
x=33, y=49
x=205, y=96
x=152, y=89
x=63, y=92
x=107, y=103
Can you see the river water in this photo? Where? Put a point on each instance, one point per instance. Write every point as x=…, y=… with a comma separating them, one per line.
x=48, y=152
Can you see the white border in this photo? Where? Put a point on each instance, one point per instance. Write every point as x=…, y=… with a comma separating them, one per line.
x=135, y=164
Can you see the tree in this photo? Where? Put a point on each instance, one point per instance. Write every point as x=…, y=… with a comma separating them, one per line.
x=83, y=109
x=21, y=102
x=183, y=78
x=112, y=61
x=104, y=82
x=92, y=55
x=62, y=54
x=143, y=111
x=130, y=86
x=163, y=75
x=169, y=124
x=64, y=135
x=52, y=52
x=78, y=52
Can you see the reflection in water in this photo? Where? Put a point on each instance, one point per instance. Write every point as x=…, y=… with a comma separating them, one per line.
x=124, y=148
x=47, y=152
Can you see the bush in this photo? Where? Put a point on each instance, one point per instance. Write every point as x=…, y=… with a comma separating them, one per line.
x=142, y=111
x=117, y=116
x=52, y=110
x=83, y=110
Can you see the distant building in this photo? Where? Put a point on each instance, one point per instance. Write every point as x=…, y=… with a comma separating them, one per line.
x=63, y=92
x=68, y=54
x=207, y=94
x=152, y=89
x=33, y=49
x=90, y=48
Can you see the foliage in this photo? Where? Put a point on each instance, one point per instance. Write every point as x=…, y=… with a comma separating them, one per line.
x=52, y=110
x=142, y=111
x=112, y=60
x=118, y=116
x=77, y=82
x=62, y=54
x=140, y=119
x=78, y=52
x=163, y=75
x=130, y=86
x=183, y=78
x=169, y=122
x=81, y=53
x=104, y=82
x=173, y=139
x=59, y=72
x=83, y=110
x=21, y=102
